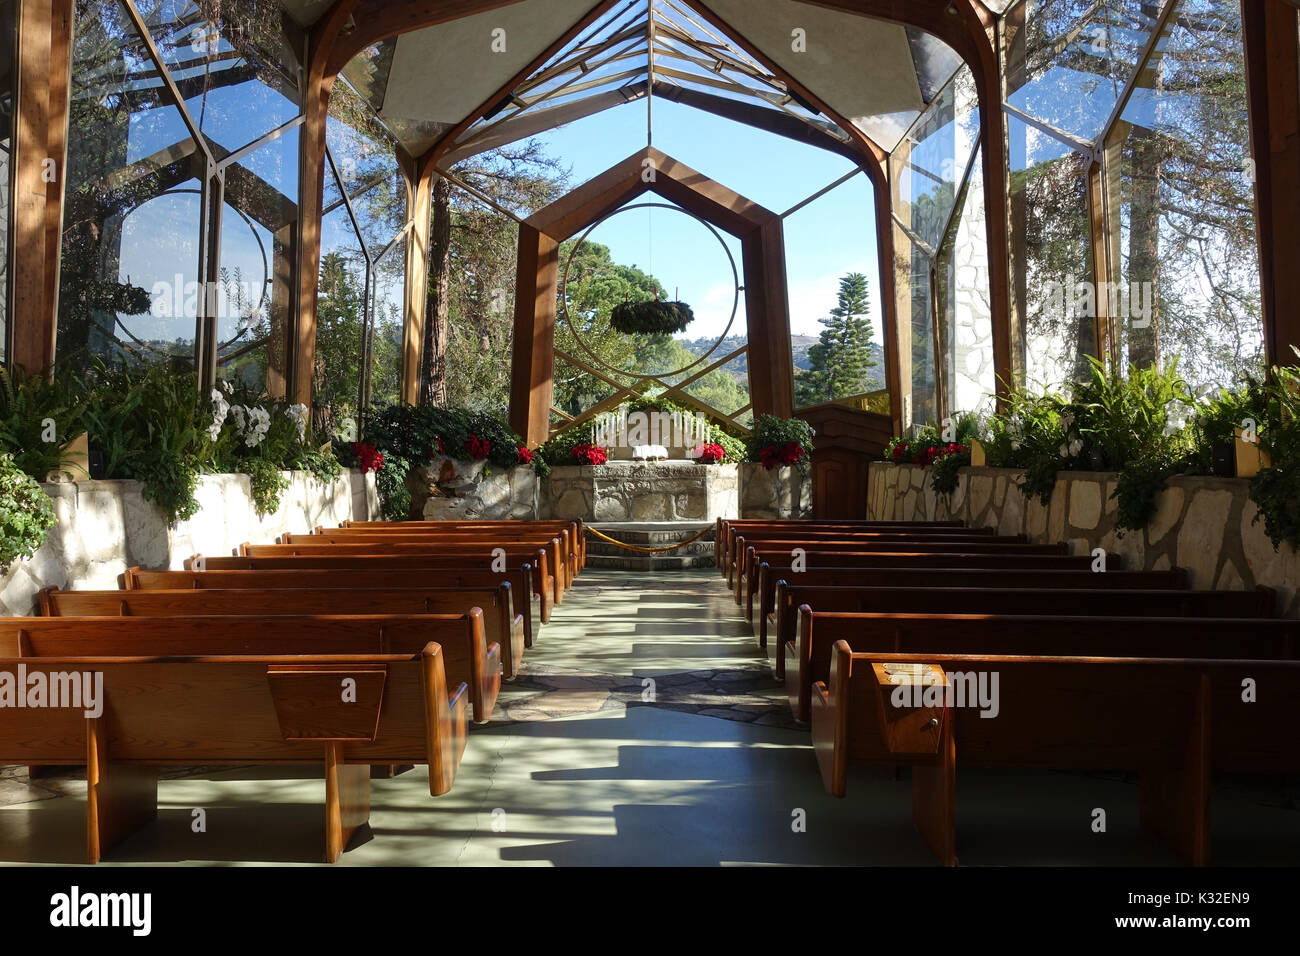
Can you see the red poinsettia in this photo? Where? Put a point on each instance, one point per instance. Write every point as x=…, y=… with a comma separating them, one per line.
x=587, y=454
x=902, y=451
x=788, y=454
x=711, y=453
x=441, y=450
x=478, y=448
x=525, y=455
x=368, y=456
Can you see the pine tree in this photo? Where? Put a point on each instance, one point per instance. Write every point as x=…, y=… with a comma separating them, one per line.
x=841, y=359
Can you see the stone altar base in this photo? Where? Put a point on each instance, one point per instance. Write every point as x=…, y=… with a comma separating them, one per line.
x=642, y=491
x=650, y=534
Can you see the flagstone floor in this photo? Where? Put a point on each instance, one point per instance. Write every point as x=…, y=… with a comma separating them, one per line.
x=644, y=730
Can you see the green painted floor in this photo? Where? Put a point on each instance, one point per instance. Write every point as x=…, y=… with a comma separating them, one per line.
x=577, y=768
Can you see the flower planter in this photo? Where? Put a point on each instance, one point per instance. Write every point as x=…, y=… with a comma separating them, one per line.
x=777, y=493
x=450, y=490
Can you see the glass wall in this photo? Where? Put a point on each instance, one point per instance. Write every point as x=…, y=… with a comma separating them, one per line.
x=928, y=172
x=361, y=298
x=1150, y=97
x=181, y=218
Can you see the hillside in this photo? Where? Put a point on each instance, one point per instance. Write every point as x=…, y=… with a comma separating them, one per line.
x=799, y=345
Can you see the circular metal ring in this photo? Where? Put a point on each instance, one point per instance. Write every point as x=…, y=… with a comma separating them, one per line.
x=564, y=283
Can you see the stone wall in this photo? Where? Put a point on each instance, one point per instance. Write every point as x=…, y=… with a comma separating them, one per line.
x=641, y=491
x=774, y=492
x=1205, y=525
x=104, y=527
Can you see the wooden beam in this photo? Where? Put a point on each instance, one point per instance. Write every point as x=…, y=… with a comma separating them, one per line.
x=1273, y=94
x=419, y=198
x=771, y=368
x=317, y=83
x=533, y=359
x=39, y=169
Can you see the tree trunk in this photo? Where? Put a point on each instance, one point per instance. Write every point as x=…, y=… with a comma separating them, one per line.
x=433, y=368
x=1144, y=246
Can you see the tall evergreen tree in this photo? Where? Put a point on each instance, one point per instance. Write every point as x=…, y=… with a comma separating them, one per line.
x=841, y=360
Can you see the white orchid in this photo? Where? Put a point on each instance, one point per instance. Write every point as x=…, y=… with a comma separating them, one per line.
x=220, y=408
x=259, y=422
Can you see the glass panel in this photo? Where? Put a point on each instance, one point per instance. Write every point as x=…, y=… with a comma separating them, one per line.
x=929, y=163
x=1187, y=258
x=1050, y=258
x=259, y=226
x=129, y=278
x=386, y=327
x=340, y=314
x=381, y=211
x=231, y=63
x=726, y=388
x=962, y=287
x=7, y=46
x=915, y=333
x=831, y=237
x=361, y=147
x=1068, y=60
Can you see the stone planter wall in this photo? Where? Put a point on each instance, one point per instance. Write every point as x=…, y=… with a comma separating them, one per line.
x=641, y=491
x=774, y=493
x=104, y=527
x=1205, y=525
x=450, y=490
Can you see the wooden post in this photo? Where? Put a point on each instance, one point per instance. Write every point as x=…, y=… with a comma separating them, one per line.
x=533, y=359
x=419, y=192
x=767, y=311
x=1273, y=93
x=39, y=169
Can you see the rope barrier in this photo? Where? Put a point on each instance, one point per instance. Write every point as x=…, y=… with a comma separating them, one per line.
x=637, y=547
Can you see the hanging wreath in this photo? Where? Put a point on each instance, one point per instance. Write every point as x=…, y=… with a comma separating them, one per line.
x=652, y=317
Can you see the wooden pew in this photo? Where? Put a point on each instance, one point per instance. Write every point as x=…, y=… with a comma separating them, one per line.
x=887, y=542
x=807, y=658
x=1173, y=721
x=574, y=527
x=436, y=567
x=218, y=629
x=727, y=528
x=757, y=535
x=747, y=585
x=562, y=561
x=548, y=574
x=356, y=581
x=198, y=710
x=776, y=619
x=570, y=532
x=498, y=648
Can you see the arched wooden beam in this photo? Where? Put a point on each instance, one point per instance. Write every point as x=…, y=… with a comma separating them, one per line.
x=648, y=170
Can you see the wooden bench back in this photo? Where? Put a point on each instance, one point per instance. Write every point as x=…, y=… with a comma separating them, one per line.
x=747, y=584
x=769, y=620
x=1118, y=602
x=354, y=580
x=727, y=528
x=544, y=586
x=807, y=658
x=570, y=532
x=500, y=626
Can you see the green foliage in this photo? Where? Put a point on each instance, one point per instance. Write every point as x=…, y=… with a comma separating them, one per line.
x=26, y=513
x=558, y=450
x=651, y=317
x=1276, y=489
x=147, y=424
x=414, y=433
x=390, y=482
x=32, y=410
x=770, y=431
x=841, y=359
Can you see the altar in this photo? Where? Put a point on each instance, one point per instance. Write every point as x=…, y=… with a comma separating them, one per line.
x=673, y=490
